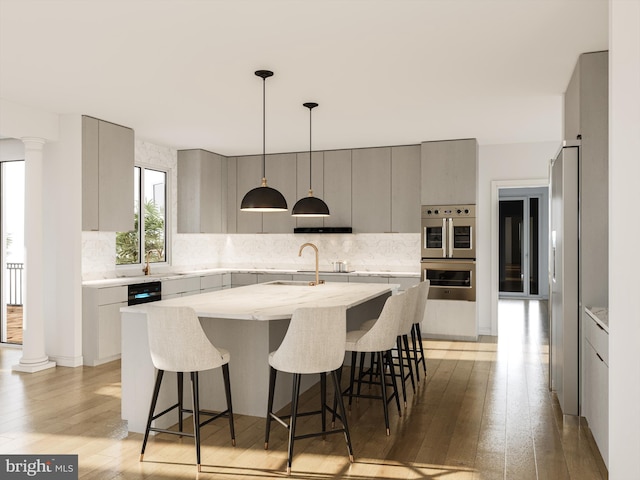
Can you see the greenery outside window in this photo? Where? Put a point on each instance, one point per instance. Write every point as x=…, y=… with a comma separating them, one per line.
x=150, y=192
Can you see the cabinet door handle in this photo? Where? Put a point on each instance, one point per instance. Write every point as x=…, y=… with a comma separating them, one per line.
x=599, y=326
x=598, y=355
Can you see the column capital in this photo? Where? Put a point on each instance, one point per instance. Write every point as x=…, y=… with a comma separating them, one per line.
x=33, y=143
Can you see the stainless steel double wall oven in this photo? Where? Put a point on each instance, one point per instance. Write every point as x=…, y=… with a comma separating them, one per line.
x=448, y=245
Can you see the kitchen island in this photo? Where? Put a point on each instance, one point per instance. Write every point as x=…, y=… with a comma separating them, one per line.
x=248, y=321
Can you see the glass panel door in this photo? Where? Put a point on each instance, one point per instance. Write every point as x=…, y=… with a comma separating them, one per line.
x=511, y=237
x=12, y=252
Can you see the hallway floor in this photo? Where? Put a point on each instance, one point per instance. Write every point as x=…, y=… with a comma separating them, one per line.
x=483, y=412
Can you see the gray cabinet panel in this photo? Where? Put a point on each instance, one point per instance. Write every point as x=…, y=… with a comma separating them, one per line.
x=371, y=190
x=202, y=180
x=281, y=175
x=449, y=172
x=249, y=176
x=107, y=164
x=337, y=187
x=232, y=195
x=302, y=184
x=405, y=189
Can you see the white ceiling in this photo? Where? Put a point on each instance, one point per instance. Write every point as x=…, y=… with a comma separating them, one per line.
x=181, y=73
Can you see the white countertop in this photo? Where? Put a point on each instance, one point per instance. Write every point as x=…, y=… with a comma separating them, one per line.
x=273, y=300
x=600, y=315
x=109, y=282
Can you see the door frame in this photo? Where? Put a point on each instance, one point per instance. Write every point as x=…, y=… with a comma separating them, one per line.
x=496, y=185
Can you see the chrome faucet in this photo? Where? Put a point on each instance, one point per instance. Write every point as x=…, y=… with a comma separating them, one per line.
x=318, y=281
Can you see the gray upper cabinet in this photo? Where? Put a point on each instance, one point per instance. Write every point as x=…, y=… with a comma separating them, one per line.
x=302, y=184
x=232, y=195
x=107, y=176
x=586, y=105
x=405, y=189
x=337, y=187
x=449, y=172
x=281, y=175
x=371, y=190
x=202, y=195
x=249, y=176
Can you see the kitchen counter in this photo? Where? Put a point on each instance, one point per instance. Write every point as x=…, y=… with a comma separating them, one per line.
x=600, y=315
x=250, y=322
x=107, y=282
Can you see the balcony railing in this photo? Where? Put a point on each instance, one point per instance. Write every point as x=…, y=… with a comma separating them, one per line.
x=15, y=283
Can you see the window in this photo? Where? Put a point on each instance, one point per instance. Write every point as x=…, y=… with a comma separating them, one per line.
x=150, y=193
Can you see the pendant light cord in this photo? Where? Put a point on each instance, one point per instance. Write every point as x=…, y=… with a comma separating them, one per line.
x=310, y=156
x=264, y=128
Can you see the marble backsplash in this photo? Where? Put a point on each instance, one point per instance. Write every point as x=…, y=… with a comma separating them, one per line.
x=371, y=251
x=364, y=252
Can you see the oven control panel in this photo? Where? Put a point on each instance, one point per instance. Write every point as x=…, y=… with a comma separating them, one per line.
x=448, y=211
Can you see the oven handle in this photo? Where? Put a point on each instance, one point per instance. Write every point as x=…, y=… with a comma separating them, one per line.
x=450, y=238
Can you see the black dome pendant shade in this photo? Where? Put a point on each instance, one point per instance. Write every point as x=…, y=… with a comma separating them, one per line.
x=263, y=198
x=310, y=206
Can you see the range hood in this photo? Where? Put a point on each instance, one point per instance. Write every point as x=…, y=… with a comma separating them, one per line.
x=322, y=230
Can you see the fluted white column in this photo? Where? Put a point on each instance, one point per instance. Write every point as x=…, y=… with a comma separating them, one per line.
x=33, y=357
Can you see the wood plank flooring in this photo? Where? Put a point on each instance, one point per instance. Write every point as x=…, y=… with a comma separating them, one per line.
x=14, y=324
x=483, y=412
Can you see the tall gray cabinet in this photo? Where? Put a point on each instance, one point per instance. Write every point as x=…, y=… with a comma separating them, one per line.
x=107, y=176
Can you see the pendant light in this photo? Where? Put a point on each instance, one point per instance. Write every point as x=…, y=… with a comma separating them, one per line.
x=310, y=206
x=263, y=198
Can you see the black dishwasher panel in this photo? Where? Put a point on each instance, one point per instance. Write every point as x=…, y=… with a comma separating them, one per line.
x=144, y=293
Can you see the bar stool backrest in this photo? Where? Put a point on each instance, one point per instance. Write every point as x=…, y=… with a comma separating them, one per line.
x=383, y=333
x=421, y=304
x=178, y=342
x=409, y=310
x=314, y=342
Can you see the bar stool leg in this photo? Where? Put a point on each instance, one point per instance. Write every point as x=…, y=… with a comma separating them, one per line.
x=180, y=376
x=401, y=363
x=227, y=391
x=272, y=384
x=419, y=335
x=393, y=380
x=351, y=376
x=323, y=399
x=383, y=386
x=294, y=415
x=196, y=416
x=415, y=350
x=405, y=338
x=152, y=409
x=343, y=414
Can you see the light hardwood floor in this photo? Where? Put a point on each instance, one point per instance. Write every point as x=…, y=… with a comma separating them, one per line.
x=484, y=412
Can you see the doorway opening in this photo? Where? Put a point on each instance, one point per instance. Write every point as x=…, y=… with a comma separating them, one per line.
x=12, y=252
x=522, y=240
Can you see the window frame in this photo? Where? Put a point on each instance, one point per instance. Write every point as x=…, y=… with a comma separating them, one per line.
x=167, y=217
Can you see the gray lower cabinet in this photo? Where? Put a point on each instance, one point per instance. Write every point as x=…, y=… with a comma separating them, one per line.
x=371, y=190
x=107, y=176
x=405, y=189
x=202, y=192
x=180, y=287
x=337, y=187
x=596, y=383
x=101, y=323
x=448, y=172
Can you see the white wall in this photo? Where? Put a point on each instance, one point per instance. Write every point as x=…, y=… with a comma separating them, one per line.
x=624, y=263
x=508, y=165
x=62, y=170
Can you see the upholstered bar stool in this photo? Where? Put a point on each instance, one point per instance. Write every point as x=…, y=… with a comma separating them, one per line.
x=314, y=343
x=403, y=354
x=378, y=341
x=416, y=334
x=178, y=344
